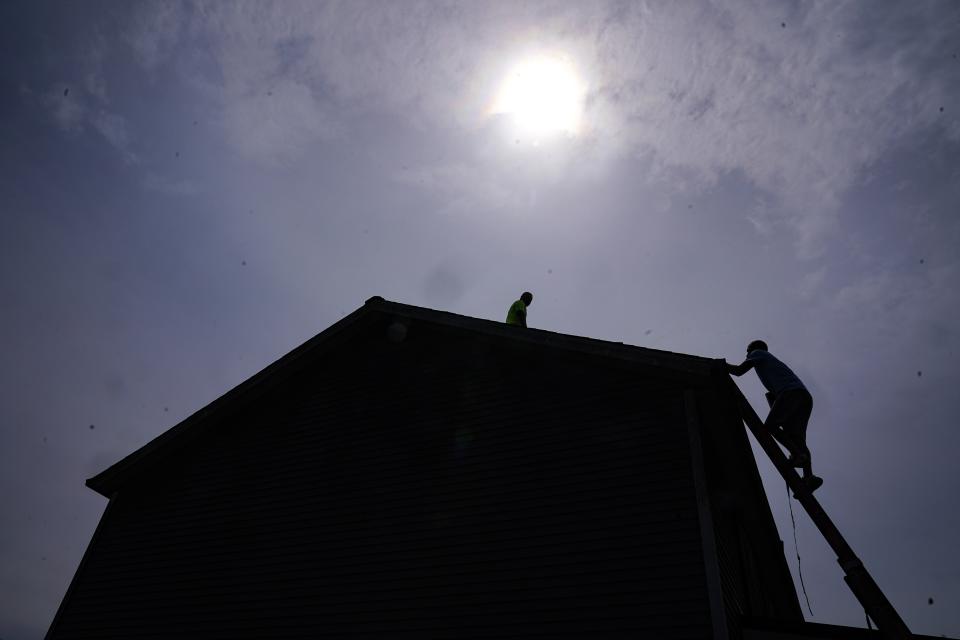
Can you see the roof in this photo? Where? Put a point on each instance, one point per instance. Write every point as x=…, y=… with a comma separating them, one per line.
x=109, y=481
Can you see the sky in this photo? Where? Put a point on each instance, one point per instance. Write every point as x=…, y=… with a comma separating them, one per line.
x=190, y=190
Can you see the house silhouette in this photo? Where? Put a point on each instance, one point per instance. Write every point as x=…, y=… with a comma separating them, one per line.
x=410, y=473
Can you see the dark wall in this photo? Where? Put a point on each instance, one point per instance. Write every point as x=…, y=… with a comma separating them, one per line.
x=438, y=485
x=753, y=571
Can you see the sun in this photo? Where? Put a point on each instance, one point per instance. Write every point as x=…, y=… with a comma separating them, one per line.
x=543, y=95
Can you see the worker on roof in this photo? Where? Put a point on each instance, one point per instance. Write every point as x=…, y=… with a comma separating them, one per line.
x=790, y=406
x=517, y=315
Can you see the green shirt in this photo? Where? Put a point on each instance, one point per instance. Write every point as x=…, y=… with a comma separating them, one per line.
x=517, y=314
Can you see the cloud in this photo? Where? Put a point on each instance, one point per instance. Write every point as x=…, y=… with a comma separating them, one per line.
x=92, y=60
x=154, y=32
x=800, y=100
x=70, y=113
x=113, y=128
x=896, y=310
x=811, y=282
x=464, y=188
x=82, y=102
x=74, y=111
x=276, y=124
x=799, y=110
x=764, y=216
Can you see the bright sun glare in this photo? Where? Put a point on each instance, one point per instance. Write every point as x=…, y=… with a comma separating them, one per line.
x=543, y=95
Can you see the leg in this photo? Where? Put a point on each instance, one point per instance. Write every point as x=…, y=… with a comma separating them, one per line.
x=780, y=412
x=781, y=436
x=795, y=426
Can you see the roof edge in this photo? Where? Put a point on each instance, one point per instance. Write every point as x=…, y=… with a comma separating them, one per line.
x=698, y=365
x=107, y=482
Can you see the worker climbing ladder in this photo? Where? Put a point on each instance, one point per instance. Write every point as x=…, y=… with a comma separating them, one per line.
x=874, y=602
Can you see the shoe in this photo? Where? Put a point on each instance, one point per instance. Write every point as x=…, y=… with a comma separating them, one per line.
x=812, y=483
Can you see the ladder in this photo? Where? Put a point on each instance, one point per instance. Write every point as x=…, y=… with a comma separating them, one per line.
x=874, y=602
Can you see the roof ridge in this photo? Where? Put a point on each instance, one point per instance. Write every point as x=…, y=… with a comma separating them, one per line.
x=109, y=480
x=388, y=305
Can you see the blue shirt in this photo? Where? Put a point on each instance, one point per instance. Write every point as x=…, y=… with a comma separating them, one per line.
x=775, y=376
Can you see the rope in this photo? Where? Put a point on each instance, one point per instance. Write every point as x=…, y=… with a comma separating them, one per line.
x=796, y=548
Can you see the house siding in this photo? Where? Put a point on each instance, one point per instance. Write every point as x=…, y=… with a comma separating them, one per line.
x=755, y=577
x=440, y=486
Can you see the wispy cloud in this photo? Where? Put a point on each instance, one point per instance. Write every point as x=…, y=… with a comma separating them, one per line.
x=93, y=58
x=900, y=317
x=793, y=99
x=276, y=124
x=82, y=102
x=463, y=188
x=154, y=31
x=74, y=111
x=798, y=98
x=113, y=127
x=70, y=114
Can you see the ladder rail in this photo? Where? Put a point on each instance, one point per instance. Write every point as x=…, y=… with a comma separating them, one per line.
x=864, y=588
